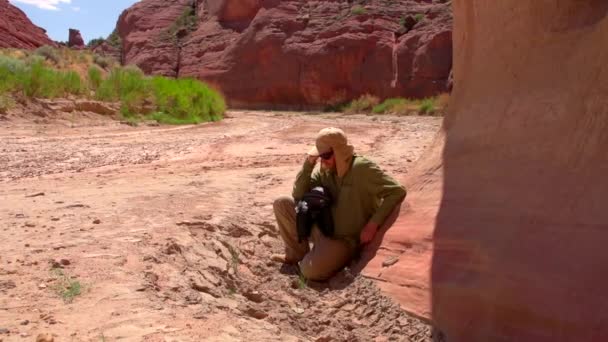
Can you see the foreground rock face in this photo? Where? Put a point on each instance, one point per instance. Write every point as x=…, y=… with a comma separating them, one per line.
x=75, y=39
x=292, y=53
x=17, y=31
x=504, y=231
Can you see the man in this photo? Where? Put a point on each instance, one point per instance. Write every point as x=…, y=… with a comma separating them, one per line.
x=363, y=197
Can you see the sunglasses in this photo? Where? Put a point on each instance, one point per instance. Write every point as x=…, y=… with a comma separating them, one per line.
x=326, y=155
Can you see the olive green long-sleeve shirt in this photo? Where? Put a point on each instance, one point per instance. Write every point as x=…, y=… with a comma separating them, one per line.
x=365, y=194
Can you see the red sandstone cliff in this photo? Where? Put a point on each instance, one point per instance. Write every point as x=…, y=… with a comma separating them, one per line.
x=17, y=31
x=294, y=52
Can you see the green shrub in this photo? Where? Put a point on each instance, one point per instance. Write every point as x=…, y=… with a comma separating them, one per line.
x=72, y=83
x=187, y=21
x=95, y=77
x=128, y=85
x=42, y=82
x=48, y=52
x=389, y=105
x=418, y=17
x=362, y=104
x=114, y=40
x=427, y=106
x=11, y=72
x=122, y=81
x=180, y=101
x=358, y=10
x=103, y=62
x=95, y=42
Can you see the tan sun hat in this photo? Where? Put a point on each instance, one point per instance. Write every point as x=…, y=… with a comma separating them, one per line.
x=333, y=138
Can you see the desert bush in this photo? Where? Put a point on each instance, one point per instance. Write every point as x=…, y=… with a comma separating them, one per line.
x=363, y=104
x=180, y=101
x=49, y=52
x=427, y=106
x=11, y=71
x=388, y=106
x=95, y=42
x=103, y=62
x=94, y=77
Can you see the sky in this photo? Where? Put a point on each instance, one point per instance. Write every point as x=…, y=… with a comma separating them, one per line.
x=94, y=18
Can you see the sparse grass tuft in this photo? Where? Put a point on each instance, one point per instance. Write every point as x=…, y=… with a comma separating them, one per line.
x=66, y=287
x=363, y=104
x=302, y=282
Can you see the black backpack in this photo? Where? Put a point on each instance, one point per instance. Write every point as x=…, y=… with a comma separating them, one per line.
x=314, y=207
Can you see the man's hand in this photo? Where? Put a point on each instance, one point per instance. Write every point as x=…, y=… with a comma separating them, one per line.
x=312, y=159
x=368, y=232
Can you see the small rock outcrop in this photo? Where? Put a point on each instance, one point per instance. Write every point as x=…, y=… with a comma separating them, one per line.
x=75, y=39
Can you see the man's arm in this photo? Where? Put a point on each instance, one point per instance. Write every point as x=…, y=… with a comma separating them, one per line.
x=306, y=180
x=383, y=186
x=386, y=187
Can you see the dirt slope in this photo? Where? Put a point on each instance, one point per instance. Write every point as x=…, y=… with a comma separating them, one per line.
x=505, y=236
x=169, y=230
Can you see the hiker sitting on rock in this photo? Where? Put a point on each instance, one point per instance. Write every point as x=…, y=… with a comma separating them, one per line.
x=362, y=197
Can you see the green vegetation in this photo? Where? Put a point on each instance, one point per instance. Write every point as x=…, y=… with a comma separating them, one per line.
x=389, y=105
x=302, y=282
x=186, y=101
x=427, y=106
x=101, y=61
x=187, y=22
x=66, y=287
x=398, y=106
x=95, y=42
x=418, y=17
x=114, y=40
x=34, y=79
x=95, y=78
x=171, y=101
x=362, y=104
x=358, y=10
x=49, y=53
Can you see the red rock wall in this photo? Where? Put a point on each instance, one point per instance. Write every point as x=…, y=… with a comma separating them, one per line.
x=296, y=53
x=17, y=31
x=503, y=237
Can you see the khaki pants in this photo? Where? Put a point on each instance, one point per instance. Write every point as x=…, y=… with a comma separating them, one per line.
x=327, y=256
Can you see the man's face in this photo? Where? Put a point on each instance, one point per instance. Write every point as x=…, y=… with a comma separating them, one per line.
x=328, y=160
